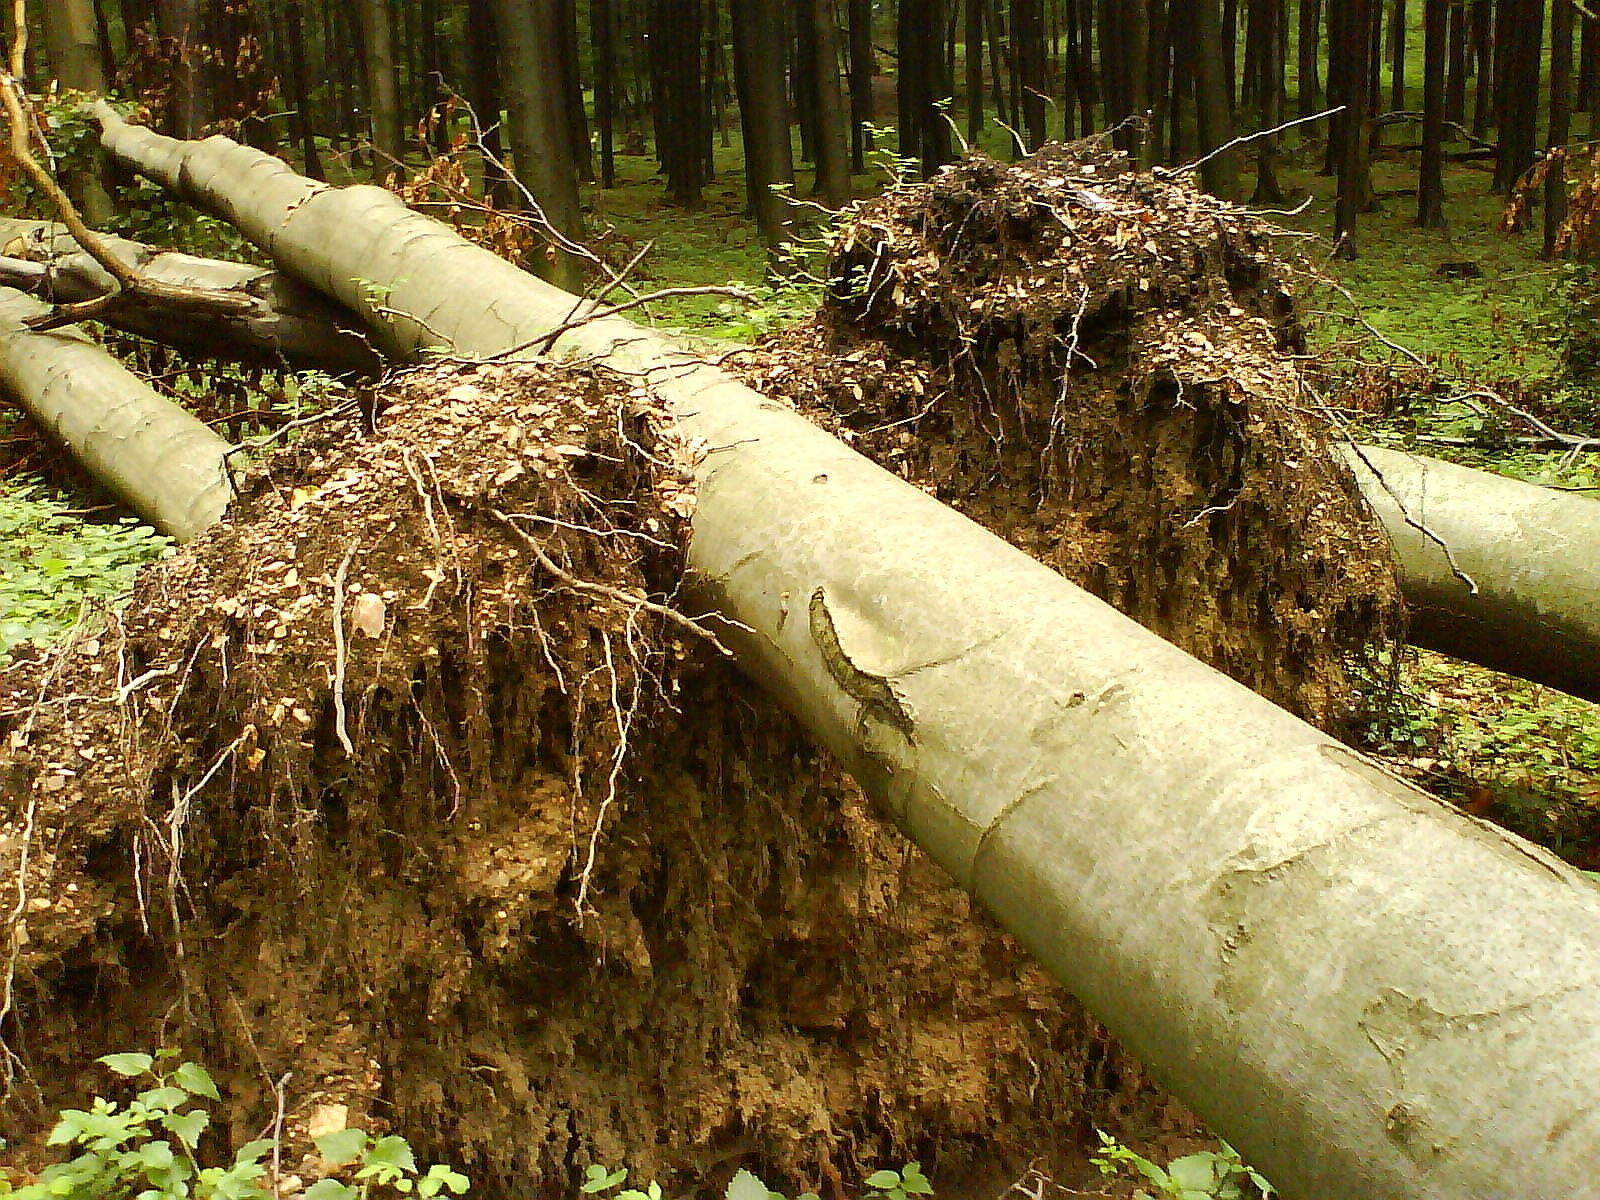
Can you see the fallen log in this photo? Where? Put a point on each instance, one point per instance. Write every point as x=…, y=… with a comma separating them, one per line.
x=157, y=459
x=1277, y=927
x=287, y=323
x=1495, y=571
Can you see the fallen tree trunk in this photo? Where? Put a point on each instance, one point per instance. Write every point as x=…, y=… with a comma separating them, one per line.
x=154, y=457
x=1279, y=929
x=288, y=323
x=1495, y=571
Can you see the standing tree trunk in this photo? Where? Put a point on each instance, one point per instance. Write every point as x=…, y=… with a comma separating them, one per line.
x=484, y=94
x=383, y=86
x=1230, y=51
x=529, y=34
x=1517, y=102
x=997, y=70
x=293, y=33
x=802, y=79
x=675, y=27
x=1220, y=172
x=181, y=26
x=1125, y=54
x=1180, y=36
x=1353, y=45
x=1265, y=31
x=603, y=40
x=1306, y=57
x=924, y=134
x=1113, y=74
x=1158, y=77
x=1555, y=180
x=1455, y=92
x=1588, y=52
x=1397, y=56
x=861, y=71
x=832, y=150
x=1027, y=44
x=758, y=39
x=1089, y=85
x=1430, y=178
x=572, y=91
x=72, y=40
x=1483, y=56
x=974, y=31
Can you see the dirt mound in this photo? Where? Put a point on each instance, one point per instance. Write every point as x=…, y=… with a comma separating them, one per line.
x=1100, y=366
x=403, y=782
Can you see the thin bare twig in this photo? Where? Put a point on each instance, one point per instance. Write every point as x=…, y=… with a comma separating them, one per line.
x=544, y=341
x=339, y=653
x=1242, y=139
x=624, y=722
x=597, y=290
x=616, y=595
x=278, y=1091
x=14, y=932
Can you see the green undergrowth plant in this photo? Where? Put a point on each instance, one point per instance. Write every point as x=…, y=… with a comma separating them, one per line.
x=56, y=565
x=153, y=1148
x=886, y=1184
x=1524, y=755
x=1206, y=1175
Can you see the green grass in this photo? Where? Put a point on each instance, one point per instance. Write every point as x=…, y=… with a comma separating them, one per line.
x=1495, y=326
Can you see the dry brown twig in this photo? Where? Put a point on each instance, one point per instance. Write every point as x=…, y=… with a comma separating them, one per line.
x=630, y=600
x=624, y=722
x=132, y=286
x=15, y=938
x=339, y=658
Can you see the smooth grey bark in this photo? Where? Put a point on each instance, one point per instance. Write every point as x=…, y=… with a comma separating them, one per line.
x=1529, y=550
x=290, y=324
x=1369, y=993
x=154, y=457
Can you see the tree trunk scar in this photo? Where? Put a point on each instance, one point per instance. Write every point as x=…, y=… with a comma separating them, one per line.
x=875, y=693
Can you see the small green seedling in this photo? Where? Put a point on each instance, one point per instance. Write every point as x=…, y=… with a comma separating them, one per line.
x=1207, y=1175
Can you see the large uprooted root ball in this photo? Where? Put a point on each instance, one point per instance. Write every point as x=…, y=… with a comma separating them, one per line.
x=396, y=782
x=1101, y=366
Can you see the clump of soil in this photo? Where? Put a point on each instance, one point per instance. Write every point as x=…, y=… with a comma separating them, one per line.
x=1101, y=366
x=403, y=782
